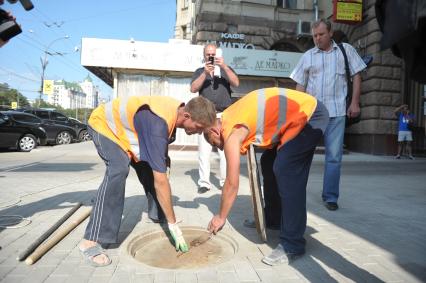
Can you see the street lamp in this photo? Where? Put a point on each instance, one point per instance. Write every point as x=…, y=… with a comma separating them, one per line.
x=44, y=63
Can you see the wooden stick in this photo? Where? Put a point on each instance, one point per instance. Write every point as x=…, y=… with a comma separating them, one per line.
x=45, y=247
x=256, y=193
x=46, y=234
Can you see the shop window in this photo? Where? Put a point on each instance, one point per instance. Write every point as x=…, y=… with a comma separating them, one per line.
x=288, y=4
x=184, y=32
x=185, y=4
x=285, y=46
x=291, y=4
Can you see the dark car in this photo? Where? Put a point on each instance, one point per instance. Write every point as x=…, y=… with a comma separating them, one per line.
x=56, y=133
x=21, y=131
x=52, y=116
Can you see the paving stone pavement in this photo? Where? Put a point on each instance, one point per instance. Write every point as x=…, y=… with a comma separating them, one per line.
x=377, y=235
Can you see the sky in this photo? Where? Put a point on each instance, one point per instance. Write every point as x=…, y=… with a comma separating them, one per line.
x=47, y=25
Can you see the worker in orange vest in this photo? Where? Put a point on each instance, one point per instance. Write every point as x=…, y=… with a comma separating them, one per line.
x=136, y=131
x=288, y=124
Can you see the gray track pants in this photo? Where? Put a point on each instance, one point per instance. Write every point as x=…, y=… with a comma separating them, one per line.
x=105, y=219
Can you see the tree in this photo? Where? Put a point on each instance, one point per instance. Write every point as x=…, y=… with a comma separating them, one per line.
x=44, y=104
x=9, y=95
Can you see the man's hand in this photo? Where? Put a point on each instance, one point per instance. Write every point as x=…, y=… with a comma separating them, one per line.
x=177, y=236
x=220, y=62
x=216, y=224
x=208, y=68
x=353, y=110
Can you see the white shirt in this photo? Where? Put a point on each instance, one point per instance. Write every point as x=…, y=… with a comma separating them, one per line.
x=322, y=73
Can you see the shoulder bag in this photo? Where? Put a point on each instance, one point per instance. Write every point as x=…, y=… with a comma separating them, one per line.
x=352, y=120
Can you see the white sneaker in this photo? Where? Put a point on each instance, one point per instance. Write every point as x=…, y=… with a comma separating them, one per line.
x=279, y=256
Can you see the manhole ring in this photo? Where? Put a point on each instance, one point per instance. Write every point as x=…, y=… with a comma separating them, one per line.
x=155, y=249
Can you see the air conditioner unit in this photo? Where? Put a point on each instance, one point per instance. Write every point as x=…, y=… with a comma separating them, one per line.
x=303, y=28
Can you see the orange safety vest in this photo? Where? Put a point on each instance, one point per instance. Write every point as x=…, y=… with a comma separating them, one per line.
x=272, y=116
x=114, y=120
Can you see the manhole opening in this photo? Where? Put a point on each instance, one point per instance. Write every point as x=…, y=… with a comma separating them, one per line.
x=155, y=249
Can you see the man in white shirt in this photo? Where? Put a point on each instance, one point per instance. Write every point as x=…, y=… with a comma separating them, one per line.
x=321, y=73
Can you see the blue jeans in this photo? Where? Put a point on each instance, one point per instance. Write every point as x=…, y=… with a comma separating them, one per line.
x=333, y=141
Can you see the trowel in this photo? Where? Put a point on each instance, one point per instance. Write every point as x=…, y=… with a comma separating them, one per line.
x=200, y=240
x=197, y=242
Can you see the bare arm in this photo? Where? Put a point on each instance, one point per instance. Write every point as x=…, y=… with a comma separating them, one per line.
x=354, y=109
x=398, y=109
x=230, y=188
x=164, y=195
x=198, y=82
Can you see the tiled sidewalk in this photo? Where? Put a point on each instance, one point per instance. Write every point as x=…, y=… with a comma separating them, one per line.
x=376, y=236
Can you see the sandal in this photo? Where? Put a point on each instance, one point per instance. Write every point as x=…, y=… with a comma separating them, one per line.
x=90, y=253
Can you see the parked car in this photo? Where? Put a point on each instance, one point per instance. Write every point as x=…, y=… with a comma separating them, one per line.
x=52, y=116
x=56, y=133
x=21, y=131
x=84, y=135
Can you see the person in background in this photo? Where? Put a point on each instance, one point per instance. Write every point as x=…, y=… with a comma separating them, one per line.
x=321, y=73
x=136, y=130
x=405, y=135
x=5, y=16
x=212, y=81
x=288, y=124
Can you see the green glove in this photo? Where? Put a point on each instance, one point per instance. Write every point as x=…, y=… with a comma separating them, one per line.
x=177, y=236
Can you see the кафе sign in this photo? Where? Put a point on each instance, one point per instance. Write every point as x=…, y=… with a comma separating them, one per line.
x=232, y=40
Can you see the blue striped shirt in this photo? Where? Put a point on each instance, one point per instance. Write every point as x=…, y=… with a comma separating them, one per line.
x=322, y=73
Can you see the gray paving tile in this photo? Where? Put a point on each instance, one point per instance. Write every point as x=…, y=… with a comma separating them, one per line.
x=55, y=279
x=245, y=271
x=227, y=277
x=185, y=277
x=372, y=238
x=13, y=278
x=136, y=278
x=208, y=276
x=164, y=276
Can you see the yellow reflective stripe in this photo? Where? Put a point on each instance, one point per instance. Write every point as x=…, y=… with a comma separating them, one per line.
x=261, y=116
x=130, y=134
x=128, y=131
x=110, y=117
x=282, y=114
x=261, y=99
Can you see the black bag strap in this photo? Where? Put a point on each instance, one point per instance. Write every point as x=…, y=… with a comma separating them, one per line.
x=348, y=74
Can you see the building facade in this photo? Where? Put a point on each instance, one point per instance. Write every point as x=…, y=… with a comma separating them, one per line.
x=91, y=91
x=70, y=95
x=284, y=25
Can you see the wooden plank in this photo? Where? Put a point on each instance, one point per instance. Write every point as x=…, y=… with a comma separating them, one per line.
x=256, y=193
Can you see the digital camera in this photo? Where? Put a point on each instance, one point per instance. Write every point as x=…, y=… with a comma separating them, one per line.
x=211, y=60
x=8, y=27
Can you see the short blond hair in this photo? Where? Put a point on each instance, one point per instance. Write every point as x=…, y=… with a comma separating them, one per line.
x=202, y=111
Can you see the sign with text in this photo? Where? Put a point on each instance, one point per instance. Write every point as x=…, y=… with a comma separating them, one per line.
x=347, y=11
x=232, y=40
x=123, y=54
